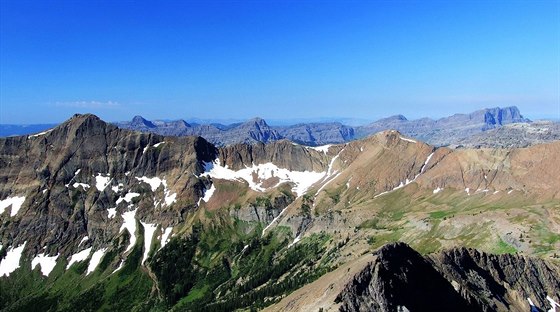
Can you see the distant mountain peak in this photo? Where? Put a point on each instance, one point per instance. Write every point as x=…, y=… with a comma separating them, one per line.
x=139, y=121
x=256, y=121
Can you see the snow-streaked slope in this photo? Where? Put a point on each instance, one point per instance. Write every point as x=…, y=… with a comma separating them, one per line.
x=302, y=180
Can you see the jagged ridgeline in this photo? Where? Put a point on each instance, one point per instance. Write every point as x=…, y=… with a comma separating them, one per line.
x=93, y=217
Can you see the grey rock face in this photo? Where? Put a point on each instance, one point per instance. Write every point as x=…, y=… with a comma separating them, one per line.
x=455, y=280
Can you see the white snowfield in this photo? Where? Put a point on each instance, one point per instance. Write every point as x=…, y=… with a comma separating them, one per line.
x=102, y=182
x=302, y=180
x=129, y=224
x=322, y=148
x=79, y=257
x=84, y=239
x=47, y=263
x=15, y=202
x=39, y=134
x=127, y=197
x=149, y=230
x=83, y=185
x=208, y=194
x=95, y=260
x=408, y=140
x=165, y=236
x=11, y=262
x=111, y=212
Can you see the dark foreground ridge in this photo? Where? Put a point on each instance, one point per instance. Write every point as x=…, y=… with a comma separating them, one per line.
x=459, y=279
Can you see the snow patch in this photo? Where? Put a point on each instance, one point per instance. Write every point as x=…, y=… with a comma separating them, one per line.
x=468, y=191
x=95, y=260
x=437, y=190
x=101, y=182
x=322, y=148
x=127, y=197
x=111, y=212
x=130, y=225
x=208, y=194
x=158, y=144
x=83, y=185
x=296, y=240
x=47, y=263
x=117, y=188
x=119, y=267
x=15, y=202
x=149, y=230
x=11, y=261
x=170, y=198
x=154, y=182
x=39, y=134
x=408, y=140
x=553, y=304
x=426, y=163
x=84, y=239
x=78, y=257
x=165, y=236
x=510, y=191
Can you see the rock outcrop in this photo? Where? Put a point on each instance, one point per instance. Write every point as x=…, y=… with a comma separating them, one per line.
x=400, y=279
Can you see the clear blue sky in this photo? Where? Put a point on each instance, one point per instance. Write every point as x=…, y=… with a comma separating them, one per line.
x=276, y=59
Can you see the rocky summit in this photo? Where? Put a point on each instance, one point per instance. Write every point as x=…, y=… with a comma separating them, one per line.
x=95, y=217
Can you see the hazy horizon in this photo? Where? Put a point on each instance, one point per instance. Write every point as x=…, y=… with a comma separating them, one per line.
x=276, y=60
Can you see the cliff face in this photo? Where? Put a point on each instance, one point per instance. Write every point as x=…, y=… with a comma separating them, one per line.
x=454, y=280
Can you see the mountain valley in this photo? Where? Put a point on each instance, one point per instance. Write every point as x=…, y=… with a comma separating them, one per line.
x=95, y=217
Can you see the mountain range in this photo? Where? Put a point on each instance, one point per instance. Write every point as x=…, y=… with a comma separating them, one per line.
x=483, y=128
x=444, y=131
x=94, y=217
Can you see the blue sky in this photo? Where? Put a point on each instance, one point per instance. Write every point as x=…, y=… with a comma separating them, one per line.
x=276, y=59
